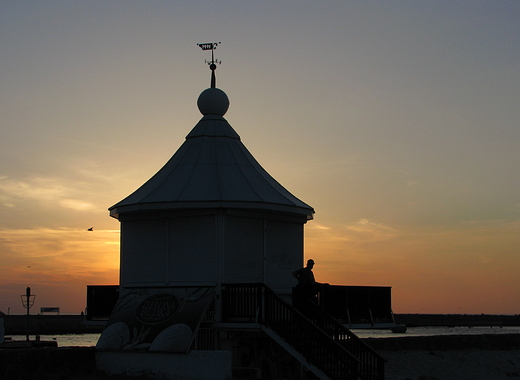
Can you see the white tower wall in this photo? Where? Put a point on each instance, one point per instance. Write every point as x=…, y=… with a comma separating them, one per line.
x=206, y=250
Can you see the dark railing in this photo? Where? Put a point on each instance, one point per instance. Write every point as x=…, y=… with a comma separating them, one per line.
x=323, y=341
x=357, y=304
x=307, y=338
x=371, y=363
x=206, y=336
x=241, y=302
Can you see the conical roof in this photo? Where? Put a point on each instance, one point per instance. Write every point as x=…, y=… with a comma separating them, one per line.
x=212, y=169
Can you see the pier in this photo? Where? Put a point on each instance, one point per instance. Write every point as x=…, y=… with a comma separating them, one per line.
x=47, y=325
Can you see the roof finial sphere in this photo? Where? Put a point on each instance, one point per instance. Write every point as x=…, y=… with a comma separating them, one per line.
x=213, y=101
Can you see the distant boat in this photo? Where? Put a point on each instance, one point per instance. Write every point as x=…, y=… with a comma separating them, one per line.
x=399, y=329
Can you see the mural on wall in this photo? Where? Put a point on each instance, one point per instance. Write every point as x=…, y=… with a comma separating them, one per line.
x=157, y=319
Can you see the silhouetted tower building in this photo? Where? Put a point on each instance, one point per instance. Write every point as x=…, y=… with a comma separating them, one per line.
x=211, y=215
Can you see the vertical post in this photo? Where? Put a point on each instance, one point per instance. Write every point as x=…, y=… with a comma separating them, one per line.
x=28, y=295
x=212, y=64
x=27, y=302
x=213, y=67
x=213, y=77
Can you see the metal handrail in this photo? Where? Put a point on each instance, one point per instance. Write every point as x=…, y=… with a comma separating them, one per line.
x=321, y=339
x=372, y=364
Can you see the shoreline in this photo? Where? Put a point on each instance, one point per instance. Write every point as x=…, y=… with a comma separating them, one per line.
x=48, y=325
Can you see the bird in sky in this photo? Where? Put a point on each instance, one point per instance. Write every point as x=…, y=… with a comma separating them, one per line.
x=91, y=229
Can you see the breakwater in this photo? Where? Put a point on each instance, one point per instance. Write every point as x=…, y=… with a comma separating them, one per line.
x=452, y=320
x=74, y=324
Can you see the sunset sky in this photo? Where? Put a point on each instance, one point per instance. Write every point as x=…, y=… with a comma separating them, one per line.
x=398, y=121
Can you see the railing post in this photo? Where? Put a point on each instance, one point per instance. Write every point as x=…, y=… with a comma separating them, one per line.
x=260, y=303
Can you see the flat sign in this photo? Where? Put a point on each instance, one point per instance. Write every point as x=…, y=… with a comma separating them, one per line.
x=156, y=319
x=49, y=309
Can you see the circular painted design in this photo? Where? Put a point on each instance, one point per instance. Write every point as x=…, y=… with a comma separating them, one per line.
x=157, y=308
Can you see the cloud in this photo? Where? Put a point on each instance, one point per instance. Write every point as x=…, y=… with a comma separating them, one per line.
x=317, y=226
x=77, y=205
x=61, y=251
x=50, y=191
x=362, y=230
x=37, y=188
x=371, y=231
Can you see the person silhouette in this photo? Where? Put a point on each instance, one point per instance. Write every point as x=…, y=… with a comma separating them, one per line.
x=305, y=275
x=307, y=286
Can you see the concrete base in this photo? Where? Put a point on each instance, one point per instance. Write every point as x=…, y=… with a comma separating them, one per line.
x=196, y=365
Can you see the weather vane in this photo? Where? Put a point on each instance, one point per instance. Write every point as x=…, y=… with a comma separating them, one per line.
x=212, y=64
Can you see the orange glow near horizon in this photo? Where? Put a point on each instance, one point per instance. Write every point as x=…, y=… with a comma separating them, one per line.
x=57, y=265
x=429, y=272
x=444, y=271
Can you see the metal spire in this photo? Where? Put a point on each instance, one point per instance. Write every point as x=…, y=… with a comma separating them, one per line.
x=212, y=64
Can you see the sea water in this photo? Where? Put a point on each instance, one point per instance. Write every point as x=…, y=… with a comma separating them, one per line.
x=90, y=340
x=65, y=340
